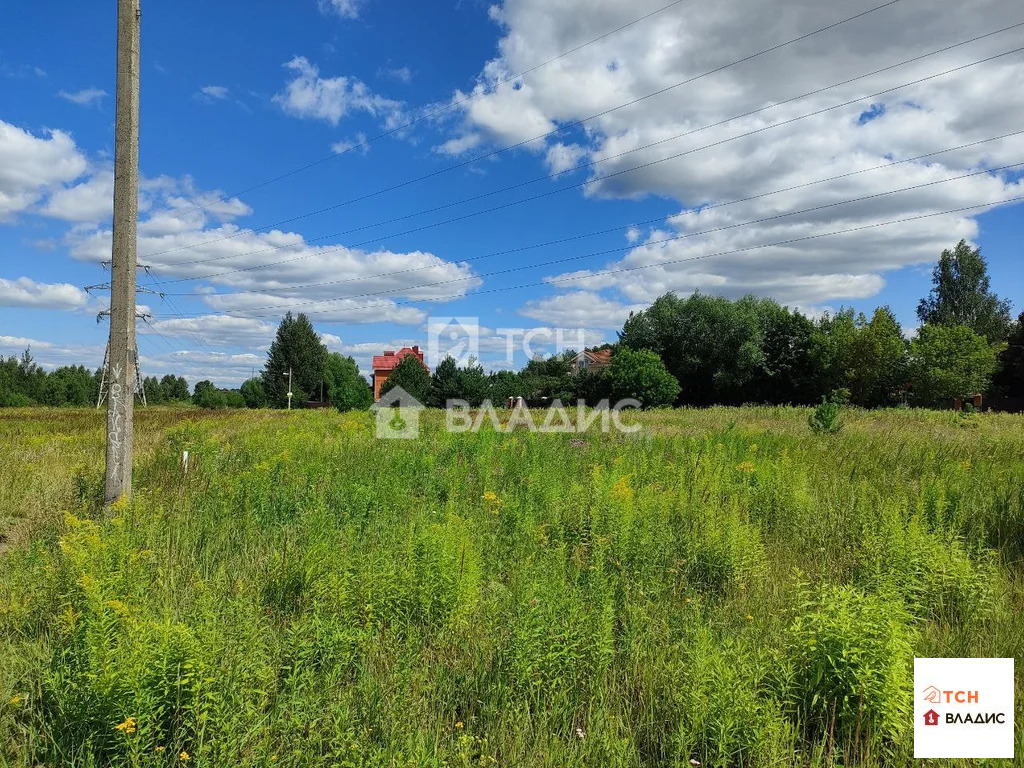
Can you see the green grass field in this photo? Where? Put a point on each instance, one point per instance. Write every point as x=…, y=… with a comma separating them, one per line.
x=722, y=587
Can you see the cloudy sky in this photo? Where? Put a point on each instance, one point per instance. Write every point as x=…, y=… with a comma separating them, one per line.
x=386, y=165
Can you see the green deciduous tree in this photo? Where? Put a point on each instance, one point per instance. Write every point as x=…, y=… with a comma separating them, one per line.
x=878, y=370
x=69, y=385
x=549, y=377
x=253, y=394
x=789, y=371
x=640, y=374
x=233, y=398
x=298, y=348
x=708, y=343
x=154, y=392
x=592, y=386
x=346, y=388
x=206, y=395
x=1009, y=382
x=501, y=385
x=949, y=361
x=411, y=375
x=449, y=382
x=175, y=388
x=21, y=380
x=961, y=295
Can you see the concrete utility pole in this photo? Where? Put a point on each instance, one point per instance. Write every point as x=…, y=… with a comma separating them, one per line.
x=121, y=347
x=289, y=389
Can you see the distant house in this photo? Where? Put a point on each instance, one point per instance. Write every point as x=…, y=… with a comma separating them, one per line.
x=384, y=364
x=591, y=361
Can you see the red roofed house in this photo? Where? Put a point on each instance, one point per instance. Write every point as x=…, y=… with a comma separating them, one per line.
x=384, y=364
x=591, y=361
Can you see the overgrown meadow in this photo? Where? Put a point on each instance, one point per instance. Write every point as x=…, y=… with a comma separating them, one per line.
x=723, y=587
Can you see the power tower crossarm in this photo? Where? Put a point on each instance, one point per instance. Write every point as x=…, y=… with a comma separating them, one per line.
x=122, y=352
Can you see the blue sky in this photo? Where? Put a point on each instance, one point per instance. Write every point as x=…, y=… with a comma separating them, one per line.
x=235, y=94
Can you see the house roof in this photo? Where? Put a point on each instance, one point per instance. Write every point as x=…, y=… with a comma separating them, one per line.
x=600, y=356
x=390, y=358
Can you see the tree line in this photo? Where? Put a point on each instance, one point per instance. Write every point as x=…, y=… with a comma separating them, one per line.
x=696, y=350
x=705, y=350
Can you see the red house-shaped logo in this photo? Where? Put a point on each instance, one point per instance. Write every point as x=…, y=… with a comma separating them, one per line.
x=931, y=717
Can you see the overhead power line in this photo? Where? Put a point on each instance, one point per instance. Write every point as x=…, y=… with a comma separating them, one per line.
x=441, y=110
x=580, y=185
x=246, y=311
x=620, y=227
x=602, y=273
x=559, y=129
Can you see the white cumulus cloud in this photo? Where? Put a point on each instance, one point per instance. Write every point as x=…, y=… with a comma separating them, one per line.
x=699, y=163
x=346, y=9
x=310, y=96
x=85, y=97
x=30, y=165
x=26, y=292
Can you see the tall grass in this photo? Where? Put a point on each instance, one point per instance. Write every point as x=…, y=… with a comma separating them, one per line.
x=723, y=587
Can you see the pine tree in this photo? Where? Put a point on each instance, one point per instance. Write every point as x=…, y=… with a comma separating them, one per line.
x=445, y=384
x=411, y=375
x=298, y=348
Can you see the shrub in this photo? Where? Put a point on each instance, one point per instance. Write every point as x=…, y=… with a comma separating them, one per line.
x=824, y=420
x=640, y=375
x=850, y=655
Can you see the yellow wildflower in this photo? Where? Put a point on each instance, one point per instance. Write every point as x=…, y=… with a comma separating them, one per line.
x=159, y=750
x=747, y=467
x=621, y=489
x=184, y=756
x=460, y=725
x=493, y=501
x=15, y=700
x=749, y=617
x=128, y=727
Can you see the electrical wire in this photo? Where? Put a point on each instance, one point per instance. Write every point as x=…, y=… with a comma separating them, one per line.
x=560, y=190
x=440, y=111
x=619, y=228
x=247, y=312
x=547, y=134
